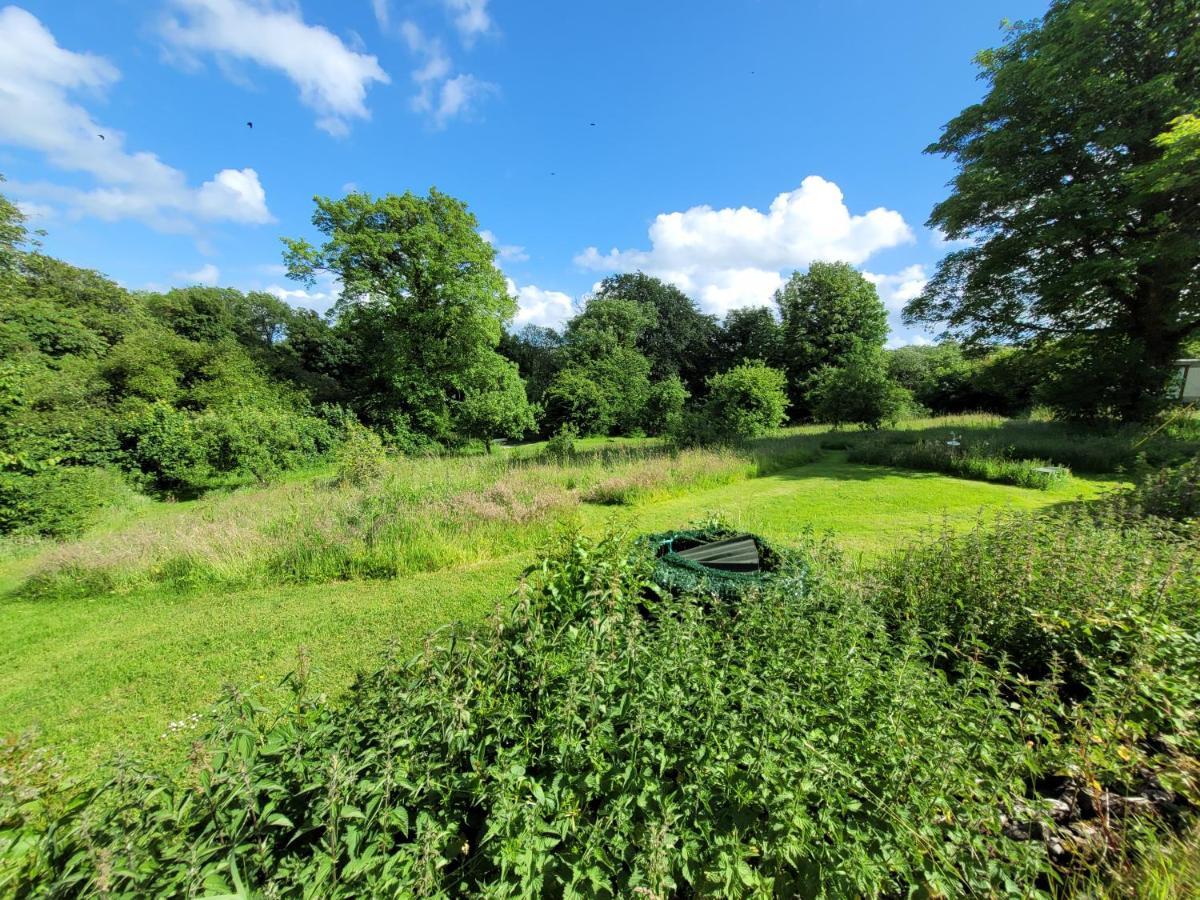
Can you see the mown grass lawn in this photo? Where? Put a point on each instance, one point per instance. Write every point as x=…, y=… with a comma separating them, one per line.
x=98, y=675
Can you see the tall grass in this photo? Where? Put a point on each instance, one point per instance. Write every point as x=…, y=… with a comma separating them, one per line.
x=977, y=461
x=412, y=515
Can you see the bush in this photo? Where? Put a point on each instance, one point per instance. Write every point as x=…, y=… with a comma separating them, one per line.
x=859, y=391
x=561, y=447
x=602, y=738
x=664, y=406
x=58, y=501
x=599, y=741
x=746, y=401
x=361, y=457
x=1172, y=493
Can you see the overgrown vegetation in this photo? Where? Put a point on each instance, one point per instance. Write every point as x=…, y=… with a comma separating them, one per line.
x=603, y=737
x=975, y=460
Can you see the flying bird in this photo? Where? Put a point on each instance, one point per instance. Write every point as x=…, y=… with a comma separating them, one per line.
x=102, y=137
x=593, y=124
x=249, y=124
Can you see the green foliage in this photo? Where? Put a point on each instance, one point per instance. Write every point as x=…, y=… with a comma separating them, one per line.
x=1171, y=493
x=422, y=306
x=535, y=350
x=677, y=338
x=1077, y=184
x=748, y=334
x=604, y=384
x=59, y=501
x=361, y=457
x=859, y=390
x=494, y=402
x=829, y=314
x=561, y=446
x=599, y=737
x=748, y=400
x=975, y=460
x=663, y=413
x=578, y=747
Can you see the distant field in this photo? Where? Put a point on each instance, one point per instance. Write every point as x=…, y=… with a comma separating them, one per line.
x=102, y=672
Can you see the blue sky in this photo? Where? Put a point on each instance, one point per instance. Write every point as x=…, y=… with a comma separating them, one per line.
x=733, y=140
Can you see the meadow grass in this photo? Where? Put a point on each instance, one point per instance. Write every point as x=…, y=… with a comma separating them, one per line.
x=105, y=672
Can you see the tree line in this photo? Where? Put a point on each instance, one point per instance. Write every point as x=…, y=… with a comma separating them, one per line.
x=1076, y=285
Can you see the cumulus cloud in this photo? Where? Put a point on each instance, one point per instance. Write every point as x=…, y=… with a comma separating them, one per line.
x=471, y=18
x=535, y=306
x=333, y=79
x=440, y=96
x=897, y=289
x=728, y=258
x=505, y=252
x=39, y=110
x=207, y=274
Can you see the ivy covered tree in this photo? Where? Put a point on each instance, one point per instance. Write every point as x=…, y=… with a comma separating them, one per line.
x=1078, y=184
x=828, y=314
x=422, y=303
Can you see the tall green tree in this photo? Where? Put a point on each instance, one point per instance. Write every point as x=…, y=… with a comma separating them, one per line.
x=828, y=314
x=678, y=338
x=1079, y=183
x=604, y=383
x=747, y=334
x=422, y=302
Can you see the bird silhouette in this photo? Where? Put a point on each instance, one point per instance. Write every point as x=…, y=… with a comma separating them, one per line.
x=593, y=124
x=249, y=124
x=102, y=137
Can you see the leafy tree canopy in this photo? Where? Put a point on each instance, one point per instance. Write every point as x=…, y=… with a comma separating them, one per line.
x=1078, y=185
x=422, y=304
x=828, y=313
x=678, y=337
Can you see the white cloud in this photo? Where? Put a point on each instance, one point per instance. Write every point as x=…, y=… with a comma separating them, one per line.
x=539, y=307
x=333, y=79
x=505, y=252
x=938, y=239
x=471, y=18
x=439, y=96
x=897, y=289
x=207, y=274
x=38, y=112
x=727, y=258
x=383, y=13
x=321, y=298
x=349, y=188
x=908, y=340
x=35, y=212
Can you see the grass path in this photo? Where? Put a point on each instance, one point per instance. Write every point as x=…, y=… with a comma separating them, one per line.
x=105, y=674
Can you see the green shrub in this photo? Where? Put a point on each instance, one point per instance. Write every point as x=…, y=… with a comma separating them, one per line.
x=58, y=501
x=663, y=413
x=858, y=391
x=1172, y=493
x=744, y=402
x=561, y=447
x=360, y=458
